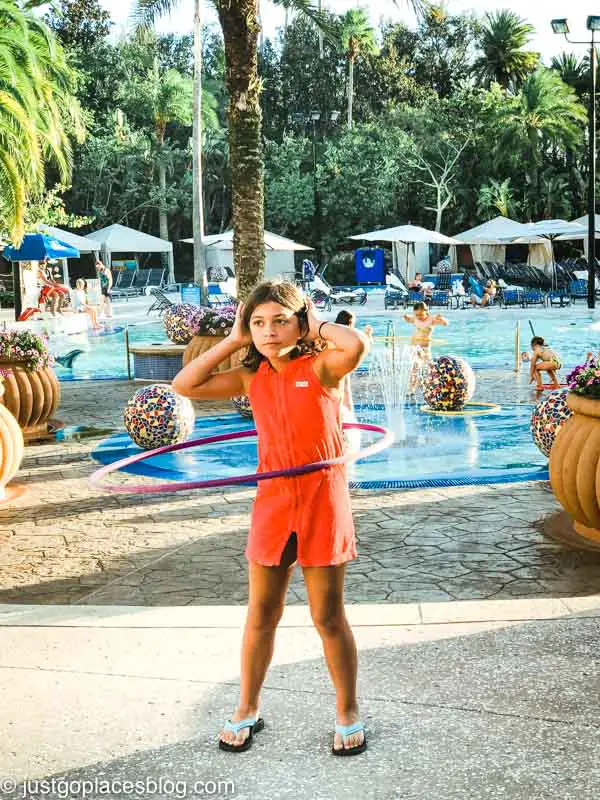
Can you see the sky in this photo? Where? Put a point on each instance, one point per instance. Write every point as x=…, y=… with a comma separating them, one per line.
x=538, y=12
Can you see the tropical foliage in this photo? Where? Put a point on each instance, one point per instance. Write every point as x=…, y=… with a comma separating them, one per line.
x=38, y=112
x=454, y=120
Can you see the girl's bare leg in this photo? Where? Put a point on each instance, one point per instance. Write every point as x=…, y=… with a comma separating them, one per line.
x=267, y=590
x=325, y=589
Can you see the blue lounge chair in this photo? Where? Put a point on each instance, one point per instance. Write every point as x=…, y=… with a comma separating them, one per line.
x=578, y=290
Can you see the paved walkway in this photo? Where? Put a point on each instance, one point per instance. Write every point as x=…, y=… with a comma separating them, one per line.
x=502, y=707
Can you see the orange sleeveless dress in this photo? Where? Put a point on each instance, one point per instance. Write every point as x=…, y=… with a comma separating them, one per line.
x=298, y=422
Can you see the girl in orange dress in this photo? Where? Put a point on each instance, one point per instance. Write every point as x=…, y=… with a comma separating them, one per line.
x=295, y=391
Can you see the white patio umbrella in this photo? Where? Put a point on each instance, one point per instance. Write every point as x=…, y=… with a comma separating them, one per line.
x=551, y=229
x=407, y=235
x=224, y=241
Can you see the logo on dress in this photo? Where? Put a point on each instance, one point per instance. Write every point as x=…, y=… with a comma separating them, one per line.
x=301, y=384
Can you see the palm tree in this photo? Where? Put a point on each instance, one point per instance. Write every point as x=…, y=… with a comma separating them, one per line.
x=357, y=37
x=575, y=72
x=239, y=23
x=504, y=61
x=545, y=113
x=38, y=112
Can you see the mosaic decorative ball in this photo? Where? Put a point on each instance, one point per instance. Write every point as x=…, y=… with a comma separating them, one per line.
x=179, y=322
x=549, y=415
x=156, y=416
x=449, y=384
x=242, y=406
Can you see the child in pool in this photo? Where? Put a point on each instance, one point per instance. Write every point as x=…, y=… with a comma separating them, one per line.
x=294, y=385
x=543, y=359
x=424, y=323
x=353, y=438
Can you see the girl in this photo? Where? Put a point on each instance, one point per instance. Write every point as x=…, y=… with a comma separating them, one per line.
x=294, y=389
x=81, y=305
x=424, y=323
x=543, y=359
x=106, y=283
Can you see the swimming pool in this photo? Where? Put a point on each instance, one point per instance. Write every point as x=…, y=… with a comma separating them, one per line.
x=434, y=451
x=485, y=338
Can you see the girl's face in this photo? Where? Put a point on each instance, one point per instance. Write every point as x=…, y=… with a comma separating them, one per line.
x=421, y=314
x=275, y=329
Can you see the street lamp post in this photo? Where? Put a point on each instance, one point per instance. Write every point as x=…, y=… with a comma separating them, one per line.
x=315, y=117
x=593, y=24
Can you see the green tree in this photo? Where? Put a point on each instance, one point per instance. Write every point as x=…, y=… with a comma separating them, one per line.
x=544, y=114
x=38, y=112
x=239, y=23
x=444, y=50
x=504, y=35
x=357, y=38
x=573, y=71
x=79, y=24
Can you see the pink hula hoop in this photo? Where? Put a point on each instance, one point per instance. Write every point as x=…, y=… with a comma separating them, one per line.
x=180, y=486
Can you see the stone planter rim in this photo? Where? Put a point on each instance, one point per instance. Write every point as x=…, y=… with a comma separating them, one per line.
x=589, y=406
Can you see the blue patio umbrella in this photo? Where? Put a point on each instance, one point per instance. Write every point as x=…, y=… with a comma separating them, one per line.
x=37, y=246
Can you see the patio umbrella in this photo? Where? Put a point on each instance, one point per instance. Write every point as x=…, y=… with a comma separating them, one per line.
x=35, y=247
x=406, y=234
x=38, y=246
x=551, y=229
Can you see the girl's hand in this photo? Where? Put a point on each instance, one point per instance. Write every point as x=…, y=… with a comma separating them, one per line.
x=238, y=334
x=313, y=320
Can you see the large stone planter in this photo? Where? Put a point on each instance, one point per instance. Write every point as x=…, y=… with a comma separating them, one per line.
x=11, y=447
x=200, y=344
x=31, y=397
x=575, y=465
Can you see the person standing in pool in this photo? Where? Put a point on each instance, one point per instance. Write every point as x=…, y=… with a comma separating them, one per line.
x=543, y=359
x=424, y=323
x=352, y=436
x=294, y=386
x=106, y=283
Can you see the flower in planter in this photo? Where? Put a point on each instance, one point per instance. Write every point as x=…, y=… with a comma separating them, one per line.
x=26, y=347
x=585, y=379
x=214, y=321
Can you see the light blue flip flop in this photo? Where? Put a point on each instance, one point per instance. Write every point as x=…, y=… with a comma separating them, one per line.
x=348, y=730
x=255, y=724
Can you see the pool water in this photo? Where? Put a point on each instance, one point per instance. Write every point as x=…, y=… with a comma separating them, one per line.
x=433, y=451
x=485, y=338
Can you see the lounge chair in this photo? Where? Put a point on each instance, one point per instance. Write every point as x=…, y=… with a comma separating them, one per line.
x=156, y=278
x=394, y=298
x=161, y=302
x=440, y=298
x=559, y=297
x=578, y=290
x=122, y=285
x=511, y=297
x=534, y=297
x=140, y=282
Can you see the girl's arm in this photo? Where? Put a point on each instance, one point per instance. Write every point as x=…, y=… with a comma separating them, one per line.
x=110, y=279
x=350, y=347
x=197, y=380
x=409, y=318
x=439, y=320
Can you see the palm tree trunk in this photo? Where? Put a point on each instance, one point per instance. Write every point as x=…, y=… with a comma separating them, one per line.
x=197, y=194
x=240, y=34
x=163, y=221
x=350, y=89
